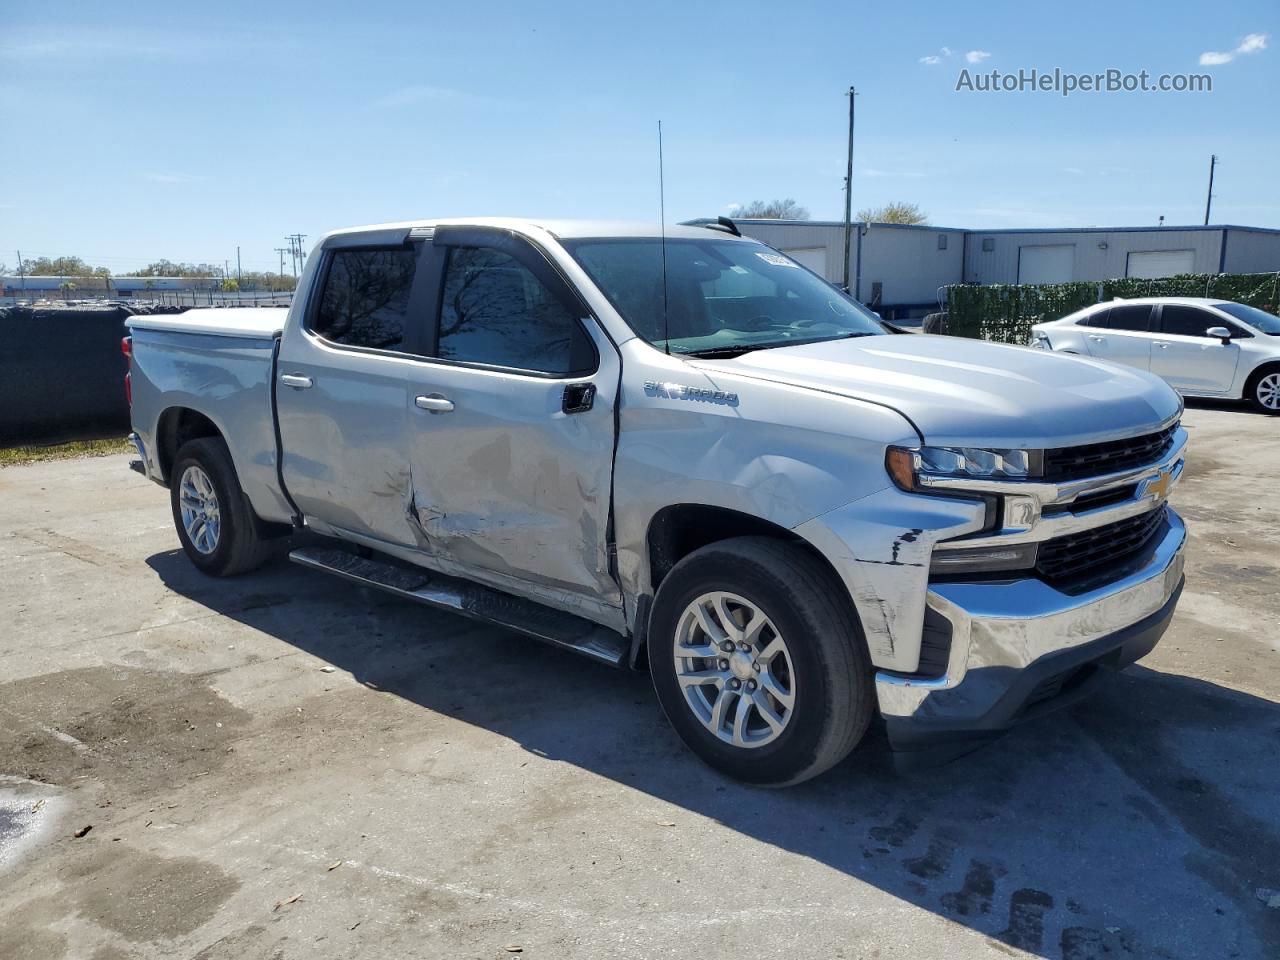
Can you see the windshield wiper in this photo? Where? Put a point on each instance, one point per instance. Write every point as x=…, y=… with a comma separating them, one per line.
x=739, y=349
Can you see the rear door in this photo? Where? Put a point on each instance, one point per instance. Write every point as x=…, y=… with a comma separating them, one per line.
x=1122, y=334
x=342, y=395
x=511, y=423
x=1188, y=359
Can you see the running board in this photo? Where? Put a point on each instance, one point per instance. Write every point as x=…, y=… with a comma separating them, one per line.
x=471, y=600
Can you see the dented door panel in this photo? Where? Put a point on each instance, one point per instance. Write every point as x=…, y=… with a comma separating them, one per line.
x=508, y=483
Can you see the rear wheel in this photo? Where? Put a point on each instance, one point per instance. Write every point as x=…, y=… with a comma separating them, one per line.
x=759, y=663
x=1264, y=390
x=215, y=523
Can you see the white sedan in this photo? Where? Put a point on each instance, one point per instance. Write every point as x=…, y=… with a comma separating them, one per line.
x=1202, y=347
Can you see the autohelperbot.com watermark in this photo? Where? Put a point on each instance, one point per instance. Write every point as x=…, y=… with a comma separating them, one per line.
x=1065, y=83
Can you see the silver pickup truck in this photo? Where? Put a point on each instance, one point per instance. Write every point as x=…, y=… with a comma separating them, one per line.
x=689, y=454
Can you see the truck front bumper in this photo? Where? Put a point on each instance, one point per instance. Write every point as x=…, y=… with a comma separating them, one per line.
x=1021, y=648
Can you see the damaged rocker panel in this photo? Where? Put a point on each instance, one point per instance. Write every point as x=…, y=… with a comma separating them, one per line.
x=472, y=600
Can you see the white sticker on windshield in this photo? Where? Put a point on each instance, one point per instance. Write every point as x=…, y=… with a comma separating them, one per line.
x=737, y=269
x=777, y=259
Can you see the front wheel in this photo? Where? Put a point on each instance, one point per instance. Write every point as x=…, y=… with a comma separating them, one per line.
x=1264, y=390
x=759, y=662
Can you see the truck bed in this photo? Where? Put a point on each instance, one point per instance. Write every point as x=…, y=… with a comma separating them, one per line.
x=255, y=323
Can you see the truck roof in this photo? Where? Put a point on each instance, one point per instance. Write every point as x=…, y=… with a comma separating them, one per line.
x=562, y=229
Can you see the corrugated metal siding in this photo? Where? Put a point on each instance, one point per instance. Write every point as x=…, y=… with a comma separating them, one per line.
x=1091, y=262
x=1252, y=252
x=908, y=263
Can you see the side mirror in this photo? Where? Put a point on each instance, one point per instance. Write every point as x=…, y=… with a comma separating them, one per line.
x=1222, y=333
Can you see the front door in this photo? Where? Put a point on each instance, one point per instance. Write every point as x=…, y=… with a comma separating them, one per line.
x=511, y=424
x=1188, y=359
x=342, y=395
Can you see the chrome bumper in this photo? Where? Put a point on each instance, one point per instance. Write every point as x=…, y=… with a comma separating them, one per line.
x=999, y=629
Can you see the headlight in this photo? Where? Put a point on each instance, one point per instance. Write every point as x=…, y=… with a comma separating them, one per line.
x=912, y=469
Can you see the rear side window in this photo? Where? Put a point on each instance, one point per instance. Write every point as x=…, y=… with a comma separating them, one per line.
x=494, y=311
x=1180, y=321
x=365, y=300
x=1130, y=318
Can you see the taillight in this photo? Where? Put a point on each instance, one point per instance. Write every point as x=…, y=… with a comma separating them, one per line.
x=126, y=347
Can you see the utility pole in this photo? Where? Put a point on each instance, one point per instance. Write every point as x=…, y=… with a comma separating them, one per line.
x=295, y=247
x=1213, y=162
x=282, y=251
x=237, y=266
x=848, y=193
x=22, y=272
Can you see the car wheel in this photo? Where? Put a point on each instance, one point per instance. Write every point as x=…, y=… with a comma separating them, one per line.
x=759, y=661
x=1264, y=390
x=215, y=523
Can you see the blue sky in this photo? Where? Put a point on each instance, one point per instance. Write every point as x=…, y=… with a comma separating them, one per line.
x=179, y=130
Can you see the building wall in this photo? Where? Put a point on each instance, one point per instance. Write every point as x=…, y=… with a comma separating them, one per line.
x=908, y=264
x=1091, y=260
x=1251, y=251
x=904, y=260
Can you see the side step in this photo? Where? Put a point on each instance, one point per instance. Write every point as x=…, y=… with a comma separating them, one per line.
x=471, y=600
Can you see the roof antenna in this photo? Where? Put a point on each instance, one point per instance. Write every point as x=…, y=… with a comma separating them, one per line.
x=662, y=224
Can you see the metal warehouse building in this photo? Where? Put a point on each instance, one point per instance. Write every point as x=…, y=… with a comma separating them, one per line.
x=901, y=269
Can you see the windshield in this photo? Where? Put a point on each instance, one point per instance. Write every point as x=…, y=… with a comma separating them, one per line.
x=723, y=296
x=1258, y=319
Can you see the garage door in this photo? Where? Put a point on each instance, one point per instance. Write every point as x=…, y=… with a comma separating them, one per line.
x=1151, y=264
x=815, y=258
x=1046, y=263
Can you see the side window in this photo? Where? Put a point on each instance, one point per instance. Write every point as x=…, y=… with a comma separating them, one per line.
x=493, y=310
x=1096, y=319
x=1181, y=321
x=1136, y=317
x=365, y=299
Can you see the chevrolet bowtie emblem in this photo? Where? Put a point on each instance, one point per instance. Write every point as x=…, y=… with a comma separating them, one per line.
x=1158, y=486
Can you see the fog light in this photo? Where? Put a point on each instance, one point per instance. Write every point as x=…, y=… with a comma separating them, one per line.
x=983, y=559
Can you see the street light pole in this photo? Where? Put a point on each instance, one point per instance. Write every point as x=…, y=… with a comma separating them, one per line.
x=1213, y=162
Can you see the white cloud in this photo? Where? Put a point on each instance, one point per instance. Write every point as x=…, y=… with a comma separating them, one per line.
x=1253, y=43
x=931, y=60
x=1250, y=44
x=731, y=208
x=1075, y=170
x=976, y=56
x=946, y=51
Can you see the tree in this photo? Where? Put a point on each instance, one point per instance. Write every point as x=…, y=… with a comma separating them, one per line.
x=786, y=209
x=229, y=285
x=895, y=212
x=67, y=287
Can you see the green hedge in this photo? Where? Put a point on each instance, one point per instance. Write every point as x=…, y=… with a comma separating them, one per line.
x=1006, y=312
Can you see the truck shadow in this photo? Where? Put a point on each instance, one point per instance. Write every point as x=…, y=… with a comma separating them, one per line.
x=1139, y=824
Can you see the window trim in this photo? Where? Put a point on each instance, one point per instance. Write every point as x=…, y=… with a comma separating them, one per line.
x=414, y=339
x=528, y=254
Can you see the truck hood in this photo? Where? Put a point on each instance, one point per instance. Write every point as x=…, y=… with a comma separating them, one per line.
x=960, y=392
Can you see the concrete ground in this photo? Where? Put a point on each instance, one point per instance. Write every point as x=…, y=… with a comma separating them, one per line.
x=286, y=766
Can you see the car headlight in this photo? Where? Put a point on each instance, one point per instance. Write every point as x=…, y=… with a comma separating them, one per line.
x=912, y=469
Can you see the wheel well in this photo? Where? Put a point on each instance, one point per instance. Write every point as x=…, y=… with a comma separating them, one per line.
x=678, y=530
x=177, y=426
x=1271, y=366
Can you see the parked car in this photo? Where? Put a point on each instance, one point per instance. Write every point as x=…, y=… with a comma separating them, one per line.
x=1201, y=347
x=686, y=453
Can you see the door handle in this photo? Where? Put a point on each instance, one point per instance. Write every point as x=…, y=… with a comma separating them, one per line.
x=1162, y=346
x=295, y=380
x=433, y=403
x=1095, y=338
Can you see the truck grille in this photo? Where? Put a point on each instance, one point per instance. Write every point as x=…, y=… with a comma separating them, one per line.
x=1096, y=550
x=1096, y=459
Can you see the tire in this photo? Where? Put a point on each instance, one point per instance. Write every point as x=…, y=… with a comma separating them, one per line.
x=825, y=671
x=1263, y=390
x=230, y=539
